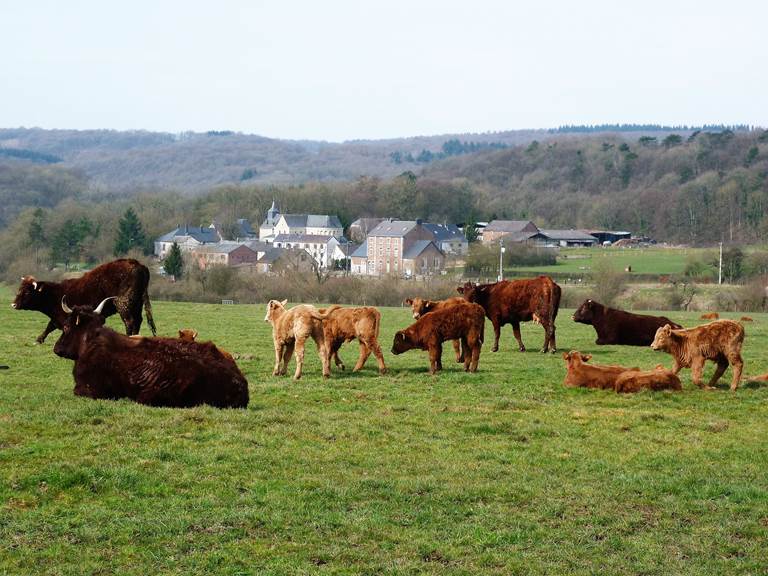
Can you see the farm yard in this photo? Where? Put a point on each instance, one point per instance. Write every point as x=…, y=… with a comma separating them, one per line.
x=500, y=472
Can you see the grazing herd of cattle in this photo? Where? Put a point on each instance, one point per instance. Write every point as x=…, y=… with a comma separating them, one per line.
x=183, y=372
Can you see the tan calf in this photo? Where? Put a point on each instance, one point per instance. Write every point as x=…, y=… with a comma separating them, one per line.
x=657, y=379
x=710, y=316
x=291, y=329
x=347, y=324
x=719, y=341
x=190, y=335
x=582, y=375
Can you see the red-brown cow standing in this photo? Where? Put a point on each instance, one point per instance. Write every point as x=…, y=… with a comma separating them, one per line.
x=152, y=371
x=126, y=279
x=506, y=302
x=420, y=306
x=464, y=321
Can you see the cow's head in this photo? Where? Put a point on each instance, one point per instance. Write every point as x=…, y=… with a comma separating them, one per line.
x=30, y=294
x=585, y=313
x=469, y=291
x=81, y=321
x=663, y=338
x=419, y=306
x=275, y=309
x=187, y=334
x=402, y=343
x=575, y=358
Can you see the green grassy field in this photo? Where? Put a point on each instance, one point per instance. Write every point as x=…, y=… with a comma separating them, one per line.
x=652, y=260
x=499, y=472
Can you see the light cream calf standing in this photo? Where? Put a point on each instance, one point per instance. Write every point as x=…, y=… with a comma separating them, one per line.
x=290, y=330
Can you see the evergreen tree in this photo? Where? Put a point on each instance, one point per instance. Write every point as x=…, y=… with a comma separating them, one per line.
x=67, y=243
x=174, y=263
x=130, y=234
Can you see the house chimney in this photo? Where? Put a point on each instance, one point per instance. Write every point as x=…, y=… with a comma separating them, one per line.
x=418, y=221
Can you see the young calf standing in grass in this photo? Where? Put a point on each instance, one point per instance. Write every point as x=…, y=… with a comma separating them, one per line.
x=420, y=306
x=719, y=341
x=291, y=329
x=347, y=324
x=464, y=321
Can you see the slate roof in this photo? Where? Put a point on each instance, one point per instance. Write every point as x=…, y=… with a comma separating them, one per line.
x=306, y=238
x=221, y=247
x=361, y=251
x=509, y=226
x=393, y=228
x=272, y=255
x=312, y=221
x=444, y=232
x=199, y=233
x=415, y=249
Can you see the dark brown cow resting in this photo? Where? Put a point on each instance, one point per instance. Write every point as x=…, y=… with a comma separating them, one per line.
x=152, y=371
x=506, y=302
x=125, y=279
x=619, y=327
x=463, y=321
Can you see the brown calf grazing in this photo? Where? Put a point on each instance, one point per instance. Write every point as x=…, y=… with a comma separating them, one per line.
x=579, y=374
x=508, y=302
x=347, y=324
x=291, y=329
x=657, y=379
x=464, y=321
x=124, y=279
x=190, y=335
x=710, y=316
x=152, y=371
x=746, y=319
x=420, y=306
x=719, y=341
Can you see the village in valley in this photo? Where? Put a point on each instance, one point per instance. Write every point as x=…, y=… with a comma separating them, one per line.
x=370, y=247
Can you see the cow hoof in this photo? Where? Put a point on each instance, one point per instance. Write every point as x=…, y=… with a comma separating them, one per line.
x=342, y=367
x=383, y=371
x=495, y=349
x=522, y=348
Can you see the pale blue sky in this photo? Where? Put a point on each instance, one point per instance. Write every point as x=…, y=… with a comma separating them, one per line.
x=337, y=70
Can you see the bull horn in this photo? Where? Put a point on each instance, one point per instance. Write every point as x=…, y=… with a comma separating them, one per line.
x=64, y=306
x=100, y=307
x=34, y=284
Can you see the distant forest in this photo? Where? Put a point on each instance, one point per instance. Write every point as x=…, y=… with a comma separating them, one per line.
x=695, y=188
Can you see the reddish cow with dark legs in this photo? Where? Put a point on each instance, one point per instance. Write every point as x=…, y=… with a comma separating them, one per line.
x=518, y=301
x=619, y=327
x=464, y=321
x=125, y=279
x=420, y=306
x=152, y=371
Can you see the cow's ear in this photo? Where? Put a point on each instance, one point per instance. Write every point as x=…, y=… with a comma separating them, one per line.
x=284, y=302
x=586, y=357
x=409, y=301
x=566, y=355
x=460, y=289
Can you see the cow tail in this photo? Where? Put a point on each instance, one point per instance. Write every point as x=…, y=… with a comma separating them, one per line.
x=556, y=292
x=376, y=323
x=148, y=312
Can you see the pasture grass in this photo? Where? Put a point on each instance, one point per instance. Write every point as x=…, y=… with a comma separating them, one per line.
x=499, y=472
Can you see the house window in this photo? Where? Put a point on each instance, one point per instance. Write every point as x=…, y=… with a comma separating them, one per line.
x=437, y=262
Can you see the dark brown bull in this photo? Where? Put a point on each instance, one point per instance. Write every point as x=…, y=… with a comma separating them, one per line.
x=125, y=279
x=619, y=327
x=152, y=371
x=506, y=302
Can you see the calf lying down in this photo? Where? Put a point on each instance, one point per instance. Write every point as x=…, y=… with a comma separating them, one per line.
x=582, y=375
x=657, y=379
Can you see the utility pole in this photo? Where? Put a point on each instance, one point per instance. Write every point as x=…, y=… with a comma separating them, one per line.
x=501, y=260
x=720, y=266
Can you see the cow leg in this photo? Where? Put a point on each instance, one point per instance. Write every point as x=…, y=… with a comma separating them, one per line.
x=549, y=337
x=722, y=366
x=435, y=357
x=475, y=355
x=468, y=355
x=48, y=329
x=365, y=351
x=516, y=332
x=334, y=349
x=457, y=348
x=287, y=353
x=697, y=367
x=496, y=334
x=737, y=364
x=278, y=358
x=374, y=346
x=300, y=358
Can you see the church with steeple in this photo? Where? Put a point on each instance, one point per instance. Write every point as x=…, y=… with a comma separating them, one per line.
x=267, y=228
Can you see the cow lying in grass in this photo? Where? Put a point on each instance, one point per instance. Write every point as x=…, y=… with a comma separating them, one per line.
x=620, y=327
x=579, y=374
x=463, y=321
x=347, y=324
x=152, y=371
x=657, y=379
x=420, y=306
x=719, y=341
x=291, y=329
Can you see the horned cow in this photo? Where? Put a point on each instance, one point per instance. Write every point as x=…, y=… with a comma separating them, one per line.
x=152, y=371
